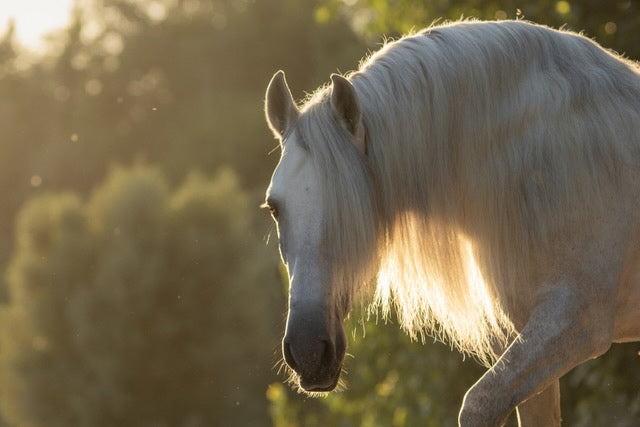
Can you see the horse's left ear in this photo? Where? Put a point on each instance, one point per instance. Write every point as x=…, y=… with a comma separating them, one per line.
x=280, y=108
x=346, y=108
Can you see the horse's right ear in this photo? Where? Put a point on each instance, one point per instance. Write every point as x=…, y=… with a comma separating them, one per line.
x=280, y=108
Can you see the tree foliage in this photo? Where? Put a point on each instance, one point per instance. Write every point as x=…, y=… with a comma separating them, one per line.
x=614, y=24
x=130, y=302
x=180, y=88
x=129, y=308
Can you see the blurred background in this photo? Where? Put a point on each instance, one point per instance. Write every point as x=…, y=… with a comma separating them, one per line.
x=138, y=283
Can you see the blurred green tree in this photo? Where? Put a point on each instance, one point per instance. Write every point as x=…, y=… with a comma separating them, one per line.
x=177, y=84
x=614, y=24
x=141, y=306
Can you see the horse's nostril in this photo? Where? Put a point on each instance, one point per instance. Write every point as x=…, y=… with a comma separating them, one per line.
x=324, y=354
x=288, y=356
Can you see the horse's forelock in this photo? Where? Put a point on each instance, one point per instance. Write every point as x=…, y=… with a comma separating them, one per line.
x=349, y=205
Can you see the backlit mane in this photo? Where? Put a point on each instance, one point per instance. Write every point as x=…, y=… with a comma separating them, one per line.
x=463, y=181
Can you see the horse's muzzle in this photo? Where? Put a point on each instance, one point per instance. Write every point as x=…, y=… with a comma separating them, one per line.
x=315, y=356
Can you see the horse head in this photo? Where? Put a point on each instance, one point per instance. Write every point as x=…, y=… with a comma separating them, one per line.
x=314, y=343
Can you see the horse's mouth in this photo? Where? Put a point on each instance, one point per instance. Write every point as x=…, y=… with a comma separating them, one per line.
x=317, y=385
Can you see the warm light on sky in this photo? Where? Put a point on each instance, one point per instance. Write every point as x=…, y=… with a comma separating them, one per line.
x=34, y=18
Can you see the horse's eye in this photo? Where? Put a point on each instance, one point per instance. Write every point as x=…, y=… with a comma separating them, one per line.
x=273, y=211
x=272, y=208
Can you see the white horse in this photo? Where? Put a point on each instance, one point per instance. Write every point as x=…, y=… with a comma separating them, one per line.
x=487, y=175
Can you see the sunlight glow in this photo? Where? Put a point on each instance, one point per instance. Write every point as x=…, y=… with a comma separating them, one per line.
x=477, y=285
x=34, y=19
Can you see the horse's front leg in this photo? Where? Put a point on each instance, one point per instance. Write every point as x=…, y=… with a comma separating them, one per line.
x=563, y=330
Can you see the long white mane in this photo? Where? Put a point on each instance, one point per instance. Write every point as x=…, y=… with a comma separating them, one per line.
x=484, y=141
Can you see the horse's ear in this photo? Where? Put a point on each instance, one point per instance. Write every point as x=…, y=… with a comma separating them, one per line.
x=280, y=108
x=346, y=108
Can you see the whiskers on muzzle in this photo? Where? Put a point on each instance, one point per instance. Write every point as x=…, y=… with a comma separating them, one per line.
x=293, y=379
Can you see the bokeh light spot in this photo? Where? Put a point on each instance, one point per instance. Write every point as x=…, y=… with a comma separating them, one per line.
x=610, y=28
x=563, y=7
